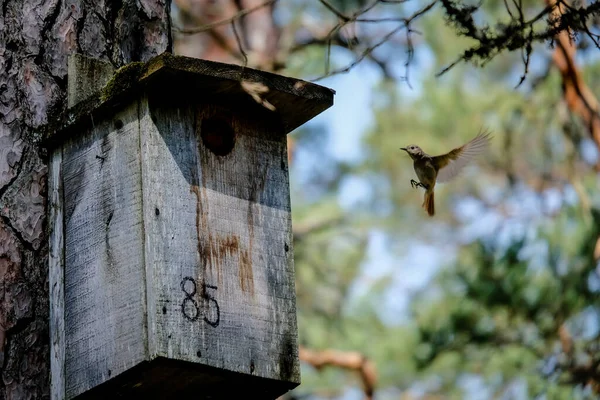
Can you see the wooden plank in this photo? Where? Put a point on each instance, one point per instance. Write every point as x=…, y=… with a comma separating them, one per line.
x=219, y=241
x=104, y=260
x=56, y=278
x=86, y=76
x=165, y=192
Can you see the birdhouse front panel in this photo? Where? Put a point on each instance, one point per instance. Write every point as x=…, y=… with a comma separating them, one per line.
x=219, y=242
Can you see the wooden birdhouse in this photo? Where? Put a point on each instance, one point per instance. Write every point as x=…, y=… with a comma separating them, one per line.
x=171, y=260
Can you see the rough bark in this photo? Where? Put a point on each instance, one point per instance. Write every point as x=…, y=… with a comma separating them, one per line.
x=36, y=36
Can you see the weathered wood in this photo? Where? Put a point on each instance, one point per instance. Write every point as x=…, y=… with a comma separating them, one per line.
x=178, y=262
x=86, y=76
x=56, y=278
x=104, y=262
x=165, y=191
x=219, y=241
x=294, y=101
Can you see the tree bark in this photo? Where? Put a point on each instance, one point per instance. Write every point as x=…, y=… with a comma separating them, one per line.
x=36, y=37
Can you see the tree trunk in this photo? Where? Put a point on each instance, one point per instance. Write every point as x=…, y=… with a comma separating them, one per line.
x=36, y=36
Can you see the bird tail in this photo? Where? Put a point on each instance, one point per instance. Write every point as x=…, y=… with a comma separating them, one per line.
x=428, y=203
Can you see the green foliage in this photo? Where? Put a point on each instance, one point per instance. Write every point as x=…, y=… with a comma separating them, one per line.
x=499, y=315
x=495, y=310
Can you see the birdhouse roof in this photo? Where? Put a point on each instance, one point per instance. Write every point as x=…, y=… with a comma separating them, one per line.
x=293, y=101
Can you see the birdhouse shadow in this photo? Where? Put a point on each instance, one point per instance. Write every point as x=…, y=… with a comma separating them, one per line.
x=236, y=192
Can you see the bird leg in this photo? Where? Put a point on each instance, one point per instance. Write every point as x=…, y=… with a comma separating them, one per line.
x=416, y=184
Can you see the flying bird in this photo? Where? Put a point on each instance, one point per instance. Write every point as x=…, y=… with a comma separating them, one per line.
x=433, y=169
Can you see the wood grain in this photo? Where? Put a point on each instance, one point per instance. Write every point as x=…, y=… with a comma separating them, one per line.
x=219, y=227
x=87, y=75
x=56, y=278
x=104, y=260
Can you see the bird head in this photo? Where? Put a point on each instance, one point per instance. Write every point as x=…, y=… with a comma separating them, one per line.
x=413, y=151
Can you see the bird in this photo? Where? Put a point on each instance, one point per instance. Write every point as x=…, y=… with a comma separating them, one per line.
x=442, y=168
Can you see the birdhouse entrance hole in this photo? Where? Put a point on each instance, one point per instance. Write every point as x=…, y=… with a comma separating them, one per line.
x=217, y=135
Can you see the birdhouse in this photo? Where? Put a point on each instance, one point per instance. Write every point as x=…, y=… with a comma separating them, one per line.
x=171, y=257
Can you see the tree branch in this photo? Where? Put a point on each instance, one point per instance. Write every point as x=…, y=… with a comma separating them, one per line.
x=344, y=359
x=577, y=95
x=225, y=21
x=518, y=34
x=334, y=10
x=369, y=50
x=302, y=230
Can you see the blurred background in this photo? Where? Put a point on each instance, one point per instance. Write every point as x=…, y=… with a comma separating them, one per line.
x=497, y=296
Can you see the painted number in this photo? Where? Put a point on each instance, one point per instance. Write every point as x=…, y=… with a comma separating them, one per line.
x=189, y=306
x=214, y=323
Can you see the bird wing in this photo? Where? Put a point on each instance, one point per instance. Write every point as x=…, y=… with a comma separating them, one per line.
x=449, y=165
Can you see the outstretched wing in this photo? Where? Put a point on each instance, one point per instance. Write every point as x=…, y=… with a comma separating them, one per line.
x=451, y=164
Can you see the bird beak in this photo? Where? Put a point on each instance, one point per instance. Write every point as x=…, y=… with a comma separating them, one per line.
x=404, y=148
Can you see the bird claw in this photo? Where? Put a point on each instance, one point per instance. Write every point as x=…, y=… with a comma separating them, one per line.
x=416, y=184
